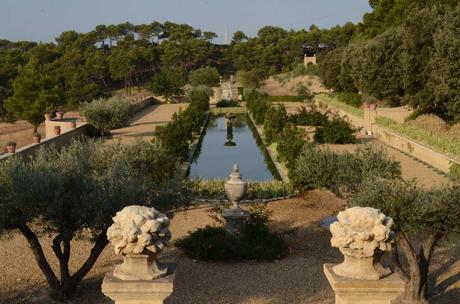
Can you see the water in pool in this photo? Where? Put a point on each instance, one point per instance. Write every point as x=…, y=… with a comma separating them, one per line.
x=220, y=149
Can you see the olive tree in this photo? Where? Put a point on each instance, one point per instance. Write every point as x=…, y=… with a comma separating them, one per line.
x=423, y=218
x=75, y=192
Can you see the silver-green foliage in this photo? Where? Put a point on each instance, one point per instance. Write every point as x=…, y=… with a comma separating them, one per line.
x=108, y=114
x=340, y=173
x=75, y=192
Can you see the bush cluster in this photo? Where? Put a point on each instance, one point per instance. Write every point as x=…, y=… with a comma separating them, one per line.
x=335, y=131
x=216, y=244
x=257, y=104
x=311, y=117
x=274, y=122
x=106, y=115
x=350, y=98
x=289, y=145
x=341, y=173
x=207, y=76
x=286, y=98
x=176, y=136
x=227, y=104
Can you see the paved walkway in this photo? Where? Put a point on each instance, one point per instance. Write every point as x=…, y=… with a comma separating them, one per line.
x=143, y=123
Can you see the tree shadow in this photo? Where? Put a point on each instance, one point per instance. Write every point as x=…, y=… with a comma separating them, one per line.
x=442, y=286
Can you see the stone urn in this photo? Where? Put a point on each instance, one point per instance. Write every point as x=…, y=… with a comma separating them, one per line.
x=235, y=217
x=48, y=116
x=11, y=147
x=362, y=235
x=36, y=138
x=235, y=187
x=59, y=114
x=57, y=130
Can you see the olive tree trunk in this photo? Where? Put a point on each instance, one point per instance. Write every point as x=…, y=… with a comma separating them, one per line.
x=67, y=283
x=416, y=277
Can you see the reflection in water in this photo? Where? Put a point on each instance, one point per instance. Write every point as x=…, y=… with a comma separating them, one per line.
x=214, y=159
x=229, y=124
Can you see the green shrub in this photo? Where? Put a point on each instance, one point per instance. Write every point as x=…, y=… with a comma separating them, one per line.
x=168, y=83
x=249, y=79
x=303, y=92
x=336, y=131
x=106, y=115
x=340, y=173
x=214, y=189
x=310, y=117
x=286, y=98
x=289, y=145
x=207, y=76
x=454, y=171
x=301, y=69
x=176, y=136
x=274, y=123
x=227, y=104
x=352, y=99
x=257, y=104
x=216, y=244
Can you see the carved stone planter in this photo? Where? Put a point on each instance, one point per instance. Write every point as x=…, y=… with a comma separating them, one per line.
x=363, y=235
x=139, y=234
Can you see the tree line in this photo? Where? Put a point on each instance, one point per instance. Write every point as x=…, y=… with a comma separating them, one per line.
x=406, y=53
x=78, y=67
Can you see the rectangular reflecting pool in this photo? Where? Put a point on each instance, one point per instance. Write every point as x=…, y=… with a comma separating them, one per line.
x=227, y=143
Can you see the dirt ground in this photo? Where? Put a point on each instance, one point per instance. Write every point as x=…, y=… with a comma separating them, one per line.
x=297, y=278
x=274, y=87
x=143, y=124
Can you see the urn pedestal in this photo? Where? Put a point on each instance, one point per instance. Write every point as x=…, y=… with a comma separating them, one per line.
x=354, y=291
x=139, y=292
x=236, y=220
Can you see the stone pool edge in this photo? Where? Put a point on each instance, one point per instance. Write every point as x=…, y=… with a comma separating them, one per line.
x=278, y=166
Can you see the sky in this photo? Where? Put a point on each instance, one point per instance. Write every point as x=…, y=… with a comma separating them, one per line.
x=43, y=20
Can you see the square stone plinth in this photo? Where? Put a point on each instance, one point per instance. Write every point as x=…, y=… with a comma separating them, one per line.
x=352, y=291
x=139, y=292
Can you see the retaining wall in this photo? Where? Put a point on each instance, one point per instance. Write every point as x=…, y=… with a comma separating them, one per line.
x=59, y=141
x=417, y=150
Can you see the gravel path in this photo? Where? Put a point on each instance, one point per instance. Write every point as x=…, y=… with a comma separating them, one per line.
x=297, y=278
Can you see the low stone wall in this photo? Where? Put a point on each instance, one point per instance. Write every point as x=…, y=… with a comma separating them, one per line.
x=144, y=103
x=438, y=160
x=29, y=151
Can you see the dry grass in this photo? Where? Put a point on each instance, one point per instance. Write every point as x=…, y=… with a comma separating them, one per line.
x=285, y=85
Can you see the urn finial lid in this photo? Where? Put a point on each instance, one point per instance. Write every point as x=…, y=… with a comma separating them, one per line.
x=235, y=172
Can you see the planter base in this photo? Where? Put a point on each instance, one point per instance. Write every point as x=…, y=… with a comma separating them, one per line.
x=353, y=291
x=139, y=292
x=236, y=219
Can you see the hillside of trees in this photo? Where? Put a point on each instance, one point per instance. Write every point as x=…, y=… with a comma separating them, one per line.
x=403, y=52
